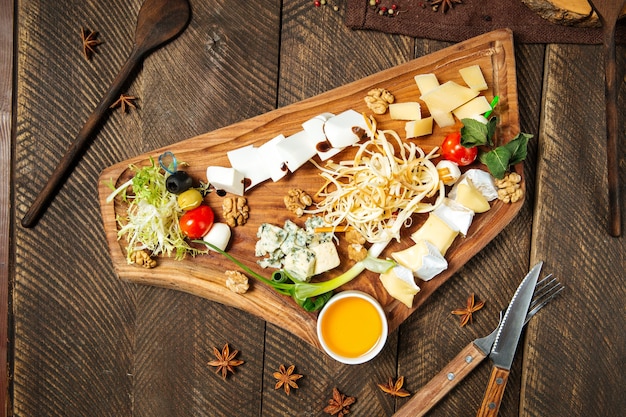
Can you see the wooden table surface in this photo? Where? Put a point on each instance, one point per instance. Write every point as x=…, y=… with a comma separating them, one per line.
x=83, y=343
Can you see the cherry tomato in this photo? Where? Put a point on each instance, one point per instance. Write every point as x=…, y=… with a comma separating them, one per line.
x=196, y=223
x=452, y=150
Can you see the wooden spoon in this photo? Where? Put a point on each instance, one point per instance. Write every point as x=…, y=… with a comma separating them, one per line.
x=609, y=12
x=158, y=21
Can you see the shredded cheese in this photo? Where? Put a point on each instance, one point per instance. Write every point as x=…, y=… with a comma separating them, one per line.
x=378, y=191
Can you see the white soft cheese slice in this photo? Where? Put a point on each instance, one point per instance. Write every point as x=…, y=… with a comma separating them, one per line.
x=423, y=259
x=476, y=106
x=409, y=110
x=339, y=130
x=315, y=131
x=481, y=180
x=456, y=215
x=247, y=161
x=326, y=257
x=426, y=82
x=447, y=97
x=473, y=77
x=218, y=235
x=295, y=150
x=400, y=284
x=417, y=128
x=225, y=178
x=437, y=232
x=276, y=165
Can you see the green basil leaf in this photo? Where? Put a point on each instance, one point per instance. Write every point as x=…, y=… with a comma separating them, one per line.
x=491, y=130
x=518, y=147
x=473, y=133
x=497, y=161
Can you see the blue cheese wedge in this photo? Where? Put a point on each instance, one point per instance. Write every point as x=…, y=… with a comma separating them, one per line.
x=300, y=263
x=437, y=232
x=455, y=214
x=270, y=238
x=400, y=284
x=423, y=259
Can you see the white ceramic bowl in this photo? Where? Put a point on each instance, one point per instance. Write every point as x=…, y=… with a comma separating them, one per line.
x=352, y=327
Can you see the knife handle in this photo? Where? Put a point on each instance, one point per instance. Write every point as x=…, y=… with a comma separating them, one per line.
x=442, y=383
x=494, y=392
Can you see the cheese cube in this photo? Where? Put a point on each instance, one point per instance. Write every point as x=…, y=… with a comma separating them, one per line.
x=295, y=150
x=473, y=77
x=315, y=135
x=247, y=161
x=225, y=178
x=475, y=107
x=326, y=257
x=437, y=232
x=426, y=82
x=423, y=259
x=417, y=128
x=400, y=284
x=447, y=97
x=300, y=263
x=276, y=166
x=340, y=130
x=405, y=111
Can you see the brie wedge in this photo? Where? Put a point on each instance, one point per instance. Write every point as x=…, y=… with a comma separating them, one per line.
x=400, y=284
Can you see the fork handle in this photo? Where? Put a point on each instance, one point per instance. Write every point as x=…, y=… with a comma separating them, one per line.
x=494, y=392
x=442, y=383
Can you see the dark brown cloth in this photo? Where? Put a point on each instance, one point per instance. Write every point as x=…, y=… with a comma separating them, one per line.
x=471, y=18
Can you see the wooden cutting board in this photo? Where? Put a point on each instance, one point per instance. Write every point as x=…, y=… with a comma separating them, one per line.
x=204, y=274
x=566, y=12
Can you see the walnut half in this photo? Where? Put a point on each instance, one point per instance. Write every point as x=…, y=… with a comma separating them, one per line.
x=297, y=200
x=378, y=100
x=509, y=188
x=235, y=211
x=237, y=282
x=142, y=258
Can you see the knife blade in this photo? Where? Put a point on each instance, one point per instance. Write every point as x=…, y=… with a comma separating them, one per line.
x=505, y=345
x=454, y=372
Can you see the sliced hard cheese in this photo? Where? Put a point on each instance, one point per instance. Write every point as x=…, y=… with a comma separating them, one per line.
x=443, y=119
x=426, y=82
x=400, y=284
x=473, y=77
x=225, y=178
x=423, y=259
x=295, y=150
x=276, y=166
x=417, y=128
x=475, y=107
x=405, y=111
x=456, y=215
x=447, y=97
x=471, y=197
x=326, y=257
x=247, y=161
x=437, y=232
x=340, y=130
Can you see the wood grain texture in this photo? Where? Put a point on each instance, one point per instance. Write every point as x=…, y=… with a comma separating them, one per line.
x=6, y=203
x=574, y=349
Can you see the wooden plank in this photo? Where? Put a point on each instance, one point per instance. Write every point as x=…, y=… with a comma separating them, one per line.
x=575, y=349
x=6, y=204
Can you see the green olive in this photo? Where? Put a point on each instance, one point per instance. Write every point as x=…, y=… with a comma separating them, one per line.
x=189, y=199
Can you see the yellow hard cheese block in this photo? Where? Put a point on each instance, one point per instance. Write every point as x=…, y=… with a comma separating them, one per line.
x=405, y=111
x=471, y=197
x=417, y=128
x=473, y=77
x=474, y=107
x=447, y=97
x=400, y=284
x=437, y=232
x=426, y=82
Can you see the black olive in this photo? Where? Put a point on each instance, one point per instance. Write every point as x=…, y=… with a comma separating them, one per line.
x=178, y=182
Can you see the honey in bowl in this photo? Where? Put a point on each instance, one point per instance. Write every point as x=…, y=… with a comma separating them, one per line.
x=352, y=327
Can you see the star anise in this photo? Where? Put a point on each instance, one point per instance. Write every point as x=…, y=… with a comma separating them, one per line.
x=89, y=42
x=225, y=360
x=340, y=404
x=125, y=101
x=445, y=4
x=467, y=312
x=286, y=378
x=395, y=389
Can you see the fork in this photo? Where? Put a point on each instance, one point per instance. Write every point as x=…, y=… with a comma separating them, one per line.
x=473, y=354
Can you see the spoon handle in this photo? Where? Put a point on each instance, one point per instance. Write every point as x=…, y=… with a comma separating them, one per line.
x=80, y=142
x=615, y=215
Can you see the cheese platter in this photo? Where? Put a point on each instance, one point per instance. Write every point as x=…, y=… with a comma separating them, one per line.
x=204, y=275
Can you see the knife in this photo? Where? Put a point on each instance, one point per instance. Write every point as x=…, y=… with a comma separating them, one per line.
x=458, y=368
x=507, y=338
